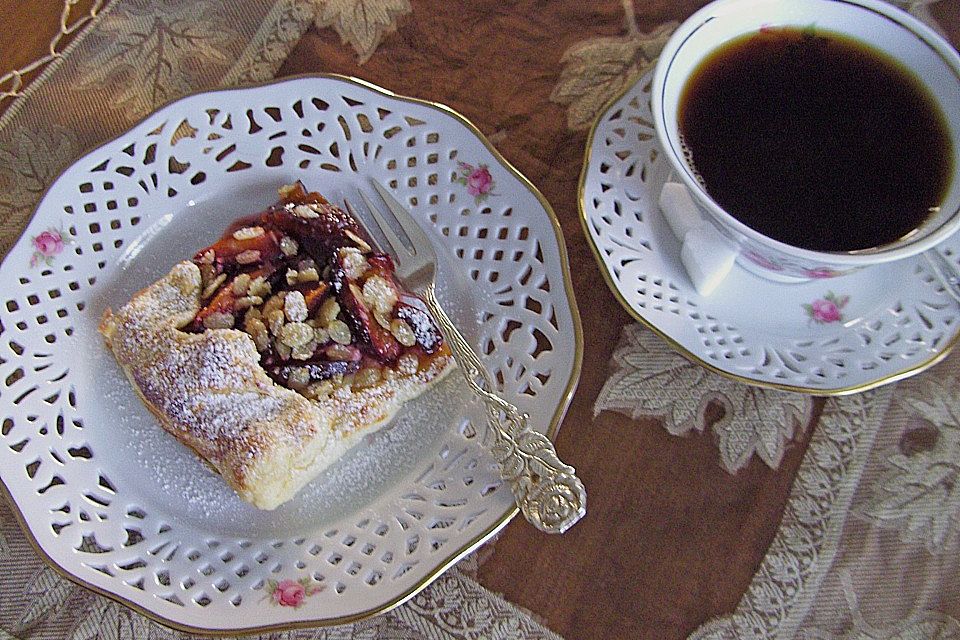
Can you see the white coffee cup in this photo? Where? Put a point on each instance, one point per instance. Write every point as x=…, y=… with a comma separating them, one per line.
x=927, y=55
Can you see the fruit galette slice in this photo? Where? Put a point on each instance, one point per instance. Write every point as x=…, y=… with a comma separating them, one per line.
x=274, y=350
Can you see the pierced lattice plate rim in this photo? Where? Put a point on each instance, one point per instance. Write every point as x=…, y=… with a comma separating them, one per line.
x=825, y=337
x=119, y=506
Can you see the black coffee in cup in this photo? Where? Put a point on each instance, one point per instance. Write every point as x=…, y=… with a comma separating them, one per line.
x=815, y=139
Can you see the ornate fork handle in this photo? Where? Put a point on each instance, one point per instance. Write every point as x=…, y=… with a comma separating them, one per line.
x=548, y=492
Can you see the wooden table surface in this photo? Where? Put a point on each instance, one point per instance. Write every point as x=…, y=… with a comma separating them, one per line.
x=671, y=540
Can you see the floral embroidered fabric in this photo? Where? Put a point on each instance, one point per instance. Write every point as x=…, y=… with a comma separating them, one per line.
x=869, y=542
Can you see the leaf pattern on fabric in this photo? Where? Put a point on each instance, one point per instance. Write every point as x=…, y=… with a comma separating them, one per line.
x=930, y=627
x=362, y=23
x=650, y=379
x=282, y=28
x=456, y=606
x=920, y=624
x=595, y=70
x=106, y=620
x=920, y=494
x=46, y=592
x=153, y=50
x=4, y=546
x=29, y=162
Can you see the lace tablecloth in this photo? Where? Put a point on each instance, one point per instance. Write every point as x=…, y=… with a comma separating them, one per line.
x=846, y=512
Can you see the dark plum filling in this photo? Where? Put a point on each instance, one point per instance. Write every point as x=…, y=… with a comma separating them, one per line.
x=323, y=307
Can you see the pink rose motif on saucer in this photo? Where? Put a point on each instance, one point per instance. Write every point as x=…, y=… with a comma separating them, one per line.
x=47, y=245
x=821, y=273
x=762, y=261
x=291, y=593
x=827, y=309
x=478, y=180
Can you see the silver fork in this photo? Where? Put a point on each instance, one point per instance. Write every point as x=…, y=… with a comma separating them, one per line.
x=547, y=491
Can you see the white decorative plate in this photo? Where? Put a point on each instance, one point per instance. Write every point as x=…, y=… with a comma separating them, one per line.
x=830, y=336
x=126, y=510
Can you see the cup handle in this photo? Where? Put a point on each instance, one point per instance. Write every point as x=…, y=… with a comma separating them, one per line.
x=705, y=254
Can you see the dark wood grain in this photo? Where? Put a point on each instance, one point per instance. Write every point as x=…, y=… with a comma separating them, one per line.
x=28, y=28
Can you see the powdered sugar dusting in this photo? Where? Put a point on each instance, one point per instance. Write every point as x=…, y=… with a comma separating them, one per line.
x=420, y=321
x=211, y=391
x=214, y=416
x=386, y=457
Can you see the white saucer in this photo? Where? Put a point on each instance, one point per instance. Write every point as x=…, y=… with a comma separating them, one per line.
x=825, y=337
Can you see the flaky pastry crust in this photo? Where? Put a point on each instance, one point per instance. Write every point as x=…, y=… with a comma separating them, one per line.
x=210, y=392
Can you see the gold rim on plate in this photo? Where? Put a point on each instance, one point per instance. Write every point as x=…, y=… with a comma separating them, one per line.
x=450, y=560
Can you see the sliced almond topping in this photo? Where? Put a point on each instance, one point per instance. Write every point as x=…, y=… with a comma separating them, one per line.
x=361, y=244
x=218, y=320
x=274, y=303
x=275, y=320
x=382, y=320
x=379, y=294
x=250, y=256
x=329, y=311
x=247, y=301
x=292, y=276
x=403, y=333
x=366, y=377
x=253, y=324
x=259, y=287
x=208, y=257
x=354, y=264
x=295, y=307
x=303, y=211
x=207, y=273
x=213, y=286
x=304, y=351
x=241, y=283
x=339, y=332
x=296, y=334
x=282, y=350
x=257, y=331
x=308, y=275
x=339, y=352
x=288, y=246
x=288, y=190
x=319, y=390
x=261, y=340
x=248, y=233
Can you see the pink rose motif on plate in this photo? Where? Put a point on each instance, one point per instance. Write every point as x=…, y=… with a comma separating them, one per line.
x=827, y=309
x=478, y=180
x=291, y=593
x=47, y=245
